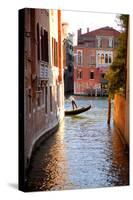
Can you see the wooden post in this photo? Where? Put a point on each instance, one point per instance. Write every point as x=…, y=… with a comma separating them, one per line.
x=109, y=110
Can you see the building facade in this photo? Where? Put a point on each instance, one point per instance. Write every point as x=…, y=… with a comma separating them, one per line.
x=43, y=75
x=93, y=55
x=68, y=64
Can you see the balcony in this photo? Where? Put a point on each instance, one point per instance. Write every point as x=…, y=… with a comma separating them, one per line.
x=103, y=81
x=44, y=71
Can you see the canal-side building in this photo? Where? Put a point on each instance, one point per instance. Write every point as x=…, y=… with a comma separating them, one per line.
x=43, y=75
x=68, y=64
x=93, y=55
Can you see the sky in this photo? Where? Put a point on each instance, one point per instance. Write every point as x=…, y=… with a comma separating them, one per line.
x=92, y=20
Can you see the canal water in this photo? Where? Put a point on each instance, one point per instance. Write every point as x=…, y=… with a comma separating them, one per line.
x=84, y=153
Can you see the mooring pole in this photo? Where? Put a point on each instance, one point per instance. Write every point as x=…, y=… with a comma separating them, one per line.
x=109, y=110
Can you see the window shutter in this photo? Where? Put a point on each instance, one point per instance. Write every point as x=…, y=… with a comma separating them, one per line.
x=57, y=52
x=42, y=45
x=47, y=54
x=76, y=58
x=38, y=42
x=52, y=51
x=81, y=57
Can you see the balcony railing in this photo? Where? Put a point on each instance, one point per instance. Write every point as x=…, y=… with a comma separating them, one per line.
x=44, y=71
x=103, y=81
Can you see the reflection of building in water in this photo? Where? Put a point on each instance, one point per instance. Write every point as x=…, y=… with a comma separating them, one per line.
x=56, y=169
x=120, y=161
x=51, y=161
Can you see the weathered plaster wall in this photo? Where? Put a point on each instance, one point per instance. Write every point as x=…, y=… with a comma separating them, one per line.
x=120, y=114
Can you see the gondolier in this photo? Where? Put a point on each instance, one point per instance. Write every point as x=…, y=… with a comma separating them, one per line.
x=74, y=105
x=77, y=111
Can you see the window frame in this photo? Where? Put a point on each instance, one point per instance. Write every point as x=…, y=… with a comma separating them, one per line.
x=91, y=75
x=79, y=57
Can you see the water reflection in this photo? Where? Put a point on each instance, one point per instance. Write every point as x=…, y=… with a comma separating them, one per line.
x=49, y=164
x=84, y=153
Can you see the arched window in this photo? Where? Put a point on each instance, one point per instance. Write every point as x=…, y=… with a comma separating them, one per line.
x=99, y=43
x=110, y=59
x=106, y=58
x=102, y=58
x=79, y=57
x=110, y=42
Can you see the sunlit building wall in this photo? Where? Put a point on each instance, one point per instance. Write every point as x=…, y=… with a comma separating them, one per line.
x=43, y=68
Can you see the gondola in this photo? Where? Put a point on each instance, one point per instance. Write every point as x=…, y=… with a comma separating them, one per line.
x=77, y=111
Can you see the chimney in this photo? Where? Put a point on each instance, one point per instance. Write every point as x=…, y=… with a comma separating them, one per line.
x=79, y=32
x=87, y=30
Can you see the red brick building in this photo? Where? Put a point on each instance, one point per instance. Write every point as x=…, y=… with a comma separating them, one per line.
x=93, y=54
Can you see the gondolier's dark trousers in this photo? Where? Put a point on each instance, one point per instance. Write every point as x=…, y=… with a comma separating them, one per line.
x=74, y=104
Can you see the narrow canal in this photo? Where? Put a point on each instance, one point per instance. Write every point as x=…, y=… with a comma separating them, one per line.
x=84, y=153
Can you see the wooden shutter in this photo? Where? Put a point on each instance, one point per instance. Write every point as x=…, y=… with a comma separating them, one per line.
x=38, y=42
x=45, y=46
x=42, y=44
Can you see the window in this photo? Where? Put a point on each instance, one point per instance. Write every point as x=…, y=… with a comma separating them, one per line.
x=29, y=101
x=106, y=58
x=39, y=99
x=91, y=75
x=110, y=42
x=102, y=75
x=110, y=59
x=116, y=43
x=54, y=51
x=42, y=95
x=92, y=60
x=79, y=74
x=79, y=57
x=102, y=58
x=42, y=44
x=51, y=98
x=38, y=42
x=99, y=59
x=46, y=94
x=99, y=43
x=45, y=46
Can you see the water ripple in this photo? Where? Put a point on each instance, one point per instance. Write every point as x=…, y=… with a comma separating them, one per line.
x=84, y=153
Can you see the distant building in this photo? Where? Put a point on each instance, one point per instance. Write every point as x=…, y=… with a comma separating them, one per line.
x=93, y=55
x=68, y=64
x=43, y=74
